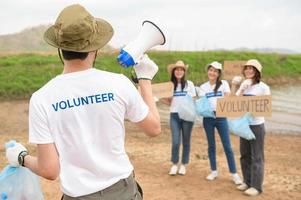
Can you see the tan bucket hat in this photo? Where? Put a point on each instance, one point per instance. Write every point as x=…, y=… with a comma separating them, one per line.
x=179, y=63
x=77, y=30
x=255, y=63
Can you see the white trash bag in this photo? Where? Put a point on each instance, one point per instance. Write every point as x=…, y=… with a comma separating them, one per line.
x=187, y=110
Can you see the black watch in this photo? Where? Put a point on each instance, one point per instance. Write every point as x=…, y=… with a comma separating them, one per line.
x=21, y=157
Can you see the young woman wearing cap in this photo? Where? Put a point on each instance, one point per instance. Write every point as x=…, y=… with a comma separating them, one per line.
x=180, y=129
x=252, y=151
x=213, y=89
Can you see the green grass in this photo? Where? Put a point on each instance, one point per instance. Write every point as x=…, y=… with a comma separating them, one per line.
x=21, y=75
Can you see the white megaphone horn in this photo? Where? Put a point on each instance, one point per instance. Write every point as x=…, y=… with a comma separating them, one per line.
x=149, y=36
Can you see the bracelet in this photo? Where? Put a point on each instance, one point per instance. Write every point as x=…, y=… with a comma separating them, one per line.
x=21, y=157
x=144, y=79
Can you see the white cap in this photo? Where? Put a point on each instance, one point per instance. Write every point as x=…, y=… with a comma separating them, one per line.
x=216, y=65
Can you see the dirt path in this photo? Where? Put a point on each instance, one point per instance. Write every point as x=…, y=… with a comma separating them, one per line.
x=150, y=157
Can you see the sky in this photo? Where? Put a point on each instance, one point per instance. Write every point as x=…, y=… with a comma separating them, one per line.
x=187, y=24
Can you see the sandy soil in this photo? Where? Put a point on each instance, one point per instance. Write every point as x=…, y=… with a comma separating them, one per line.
x=150, y=157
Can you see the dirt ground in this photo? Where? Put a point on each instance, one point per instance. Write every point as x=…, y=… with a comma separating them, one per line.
x=151, y=159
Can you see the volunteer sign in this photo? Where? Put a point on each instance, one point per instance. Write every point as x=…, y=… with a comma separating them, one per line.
x=162, y=90
x=232, y=68
x=237, y=106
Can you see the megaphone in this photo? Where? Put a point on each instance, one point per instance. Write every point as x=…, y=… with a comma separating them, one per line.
x=149, y=36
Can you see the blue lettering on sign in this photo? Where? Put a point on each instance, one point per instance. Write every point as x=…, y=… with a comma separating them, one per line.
x=81, y=101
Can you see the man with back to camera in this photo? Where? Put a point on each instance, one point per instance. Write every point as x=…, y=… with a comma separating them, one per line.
x=77, y=118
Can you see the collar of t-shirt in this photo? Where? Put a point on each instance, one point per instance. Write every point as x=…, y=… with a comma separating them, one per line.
x=76, y=74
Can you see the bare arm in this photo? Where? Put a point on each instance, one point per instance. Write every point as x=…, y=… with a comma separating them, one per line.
x=46, y=164
x=234, y=88
x=235, y=83
x=151, y=124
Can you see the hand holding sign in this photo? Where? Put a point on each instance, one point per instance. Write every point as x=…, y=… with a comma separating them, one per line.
x=236, y=80
x=245, y=84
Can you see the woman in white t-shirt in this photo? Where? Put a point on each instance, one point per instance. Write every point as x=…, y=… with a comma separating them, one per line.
x=180, y=129
x=213, y=89
x=252, y=151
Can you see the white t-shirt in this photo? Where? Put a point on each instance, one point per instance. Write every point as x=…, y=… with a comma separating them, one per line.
x=179, y=95
x=83, y=114
x=258, y=89
x=208, y=90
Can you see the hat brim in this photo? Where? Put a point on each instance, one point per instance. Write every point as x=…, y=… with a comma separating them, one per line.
x=170, y=67
x=252, y=65
x=210, y=65
x=104, y=35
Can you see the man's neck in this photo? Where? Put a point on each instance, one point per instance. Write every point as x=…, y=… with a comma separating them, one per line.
x=76, y=66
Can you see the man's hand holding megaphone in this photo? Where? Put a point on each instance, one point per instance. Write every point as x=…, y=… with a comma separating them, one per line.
x=146, y=68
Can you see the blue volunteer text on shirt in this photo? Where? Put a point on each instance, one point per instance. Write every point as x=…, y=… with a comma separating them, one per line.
x=213, y=94
x=179, y=93
x=81, y=101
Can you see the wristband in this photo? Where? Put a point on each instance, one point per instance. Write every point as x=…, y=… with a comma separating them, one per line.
x=21, y=157
x=144, y=79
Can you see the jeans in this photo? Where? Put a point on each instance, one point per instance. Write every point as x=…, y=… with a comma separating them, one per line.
x=252, y=158
x=221, y=124
x=180, y=131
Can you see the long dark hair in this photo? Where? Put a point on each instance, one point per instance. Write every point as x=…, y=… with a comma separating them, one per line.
x=257, y=75
x=174, y=80
x=218, y=81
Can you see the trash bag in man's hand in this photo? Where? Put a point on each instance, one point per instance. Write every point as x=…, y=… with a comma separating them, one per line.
x=241, y=127
x=19, y=183
x=203, y=107
x=187, y=109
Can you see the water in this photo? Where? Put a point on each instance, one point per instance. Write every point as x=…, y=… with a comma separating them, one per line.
x=286, y=106
x=286, y=99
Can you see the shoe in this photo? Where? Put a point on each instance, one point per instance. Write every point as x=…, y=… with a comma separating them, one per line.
x=173, y=170
x=182, y=170
x=242, y=187
x=236, y=179
x=212, y=175
x=251, y=192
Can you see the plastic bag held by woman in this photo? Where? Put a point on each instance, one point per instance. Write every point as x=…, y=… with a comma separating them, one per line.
x=19, y=183
x=203, y=107
x=241, y=127
x=187, y=110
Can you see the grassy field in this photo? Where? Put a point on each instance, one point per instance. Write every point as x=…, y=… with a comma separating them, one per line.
x=21, y=75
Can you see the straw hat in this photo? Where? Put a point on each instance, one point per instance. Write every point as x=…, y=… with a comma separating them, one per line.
x=77, y=30
x=179, y=63
x=254, y=63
